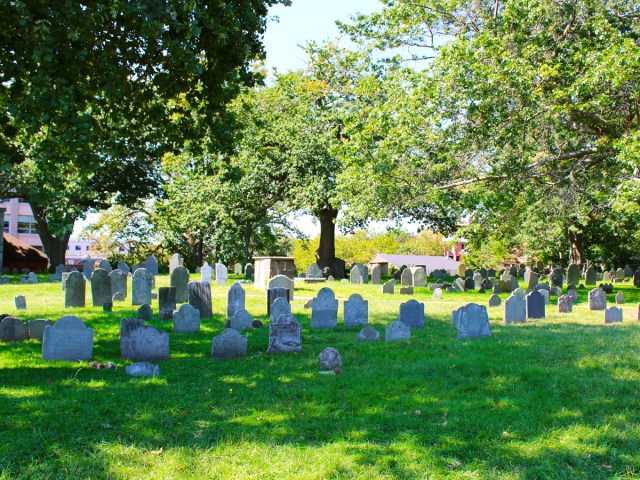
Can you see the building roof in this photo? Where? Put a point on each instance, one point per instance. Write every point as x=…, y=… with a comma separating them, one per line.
x=429, y=262
x=15, y=250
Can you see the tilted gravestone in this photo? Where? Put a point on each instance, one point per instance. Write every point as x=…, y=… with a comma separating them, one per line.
x=324, y=309
x=473, y=322
x=74, y=292
x=242, y=320
x=314, y=271
x=180, y=280
x=67, y=339
x=222, y=274
x=388, y=287
x=535, y=305
x=613, y=315
x=174, y=262
x=101, y=287
x=186, y=319
x=368, y=334
x=515, y=309
x=20, y=302
x=229, y=344
x=278, y=292
x=12, y=329
x=118, y=283
x=590, y=276
x=565, y=304
x=141, y=286
x=419, y=276
x=355, y=276
x=206, y=274
x=397, y=331
x=375, y=275
x=573, y=274
x=285, y=335
x=412, y=314
x=597, y=299
x=36, y=328
x=356, y=311
x=364, y=273
x=280, y=306
x=494, y=301
x=282, y=281
x=235, y=299
x=142, y=343
x=166, y=302
x=533, y=281
x=406, y=279
x=458, y=284
x=200, y=298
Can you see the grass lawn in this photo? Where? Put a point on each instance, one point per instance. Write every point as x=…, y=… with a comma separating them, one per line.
x=554, y=398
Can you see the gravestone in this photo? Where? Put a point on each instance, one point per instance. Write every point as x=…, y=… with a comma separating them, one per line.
x=280, y=306
x=282, y=281
x=513, y=283
x=458, y=284
x=186, y=319
x=533, y=281
x=330, y=359
x=469, y=285
x=437, y=294
x=74, y=292
x=388, y=287
x=491, y=273
x=519, y=292
x=565, y=304
x=174, y=262
x=141, y=286
x=419, y=276
x=118, y=280
x=101, y=287
x=473, y=322
x=235, y=299
x=36, y=328
x=613, y=315
x=619, y=298
x=314, y=271
x=67, y=339
x=33, y=278
x=535, y=305
x=364, y=273
x=237, y=269
x=166, y=302
x=324, y=310
x=406, y=279
x=573, y=295
x=206, y=274
x=222, y=275
x=412, y=314
x=513, y=271
x=124, y=267
x=606, y=277
x=527, y=275
x=397, y=331
x=557, y=277
x=483, y=272
x=355, y=276
x=200, y=298
x=229, y=344
x=87, y=267
x=477, y=280
x=368, y=334
x=105, y=265
x=590, y=276
x=179, y=279
x=273, y=293
x=145, y=312
x=545, y=295
x=494, y=301
x=356, y=311
x=248, y=271
x=142, y=369
x=468, y=273
x=65, y=275
x=242, y=320
x=628, y=272
x=573, y=274
x=406, y=290
x=555, y=291
x=460, y=271
x=515, y=309
x=142, y=343
x=620, y=274
x=12, y=329
x=20, y=302
x=597, y=299
x=375, y=275
x=151, y=265
x=285, y=334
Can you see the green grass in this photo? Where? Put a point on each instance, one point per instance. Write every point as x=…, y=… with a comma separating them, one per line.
x=555, y=398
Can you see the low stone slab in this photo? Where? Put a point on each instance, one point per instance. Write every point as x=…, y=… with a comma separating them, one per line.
x=406, y=290
x=229, y=344
x=67, y=339
x=368, y=334
x=142, y=369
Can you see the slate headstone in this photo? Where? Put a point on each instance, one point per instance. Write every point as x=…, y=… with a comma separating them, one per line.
x=419, y=276
x=67, y=339
x=118, y=282
x=515, y=309
x=388, y=287
x=87, y=267
x=573, y=274
x=613, y=315
x=180, y=280
x=494, y=301
x=166, y=302
x=235, y=299
x=141, y=286
x=200, y=298
x=590, y=276
x=100, y=287
x=356, y=311
x=151, y=265
x=12, y=329
x=186, y=319
x=375, y=275
x=242, y=320
x=145, y=312
x=105, y=265
x=282, y=281
x=174, y=262
x=20, y=302
x=406, y=279
x=124, y=267
x=248, y=271
x=206, y=274
x=36, y=328
x=412, y=314
x=229, y=344
x=397, y=331
x=597, y=299
x=355, y=276
x=314, y=271
x=273, y=293
x=368, y=334
x=473, y=322
x=280, y=306
x=535, y=305
x=285, y=334
x=74, y=293
x=545, y=295
x=469, y=285
x=324, y=310
x=142, y=343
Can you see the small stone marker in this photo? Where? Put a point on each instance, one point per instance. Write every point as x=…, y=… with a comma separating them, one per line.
x=535, y=305
x=242, y=320
x=36, y=328
x=282, y=281
x=330, y=359
x=142, y=369
x=101, y=287
x=180, y=280
x=20, y=302
x=67, y=339
x=285, y=335
x=280, y=306
x=573, y=295
x=515, y=309
x=229, y=344
x=406, y=290
x=437, y=294
x=356, y=311
x=494, y=301
x=118, y=283
x=74, y=292
x=368, y=334
x=597, y=299
x=324, y=310
x=613, y=315
x=375, y=275
x=412, y=314
x=145, y=312
x=565, y=304
x=235, y=299
x=166, y=302
x=12, y=329
x=200, y=298
x=473, y=322
x=388, y=288
x=186, y=319
x=140, y=342
x=397, y=331
x=141, y=287
x=619, y=298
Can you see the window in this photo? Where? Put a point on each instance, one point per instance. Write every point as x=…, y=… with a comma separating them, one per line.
x=86, y=248
x=26, y=224
x=78, y=248
x=68, y=248
x=7, y=221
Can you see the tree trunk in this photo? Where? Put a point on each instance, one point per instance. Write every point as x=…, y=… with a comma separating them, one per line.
x=576, y=246
x=55, y=247
x=326, y=253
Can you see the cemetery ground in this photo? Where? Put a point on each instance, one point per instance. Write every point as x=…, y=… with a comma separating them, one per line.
x=552, y=398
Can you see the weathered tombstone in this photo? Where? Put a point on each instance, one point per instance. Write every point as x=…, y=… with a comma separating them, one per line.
x=406, y=290
x=186, y=319
x=368, y=334
x=573, y=274
x=515, y=309
x=65, y=275
x=174, y=262
x=468, y=273
x=513, y=283
x=67, y=339
x=606, y=277
x=145, y=312
x=469, y=285
x=314, y=271
x=355, y=276
x=32, y=277
x=527, y=275
x=535, y=305
x=459, y=284
x=242, y=320
x=356, y=311
x=237, y=269
x=628, y=272
x=519, y=292
x=141, y=286
x=406, y=279
x=105, y=265
x=388, y=288
x=282, y=281
x=229, y=344
x=590, y=276
x=573, y=295
x=100, y=287
x=142, y=343
x=555, y=291
x=118, y=283
x=620, y=274
x=180, y=280
x=87, y=267
x=151, y=265
x=412, y=314
x=494, y=301
x=222, y=274
x=557, y=277
x=206, y=274
x=280, y=306
x=491, y=273
x=597, y=299
x=437, y=294
x=477, y=280
x=473, y=322
x=248, y=271
x=118, y=297
x=12, y=329
x=565, y=304
x=619, y=298
x=285, y=334
x=324, y=310
x=613, y=315
x=461, y=270
x=419, y=276
x=235, y=299
x=36, y=328
x=545, y=295
x=397, y=331
x=124, y=267
x=74, y=292
x=483, y=272
x=533, y=281
x=273, y=293
x=166, y=302
x=200, y=298
x=375, y=275
x=20, y=302
x=364, y=272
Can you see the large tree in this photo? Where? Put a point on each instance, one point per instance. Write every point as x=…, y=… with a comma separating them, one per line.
x=92, y=94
